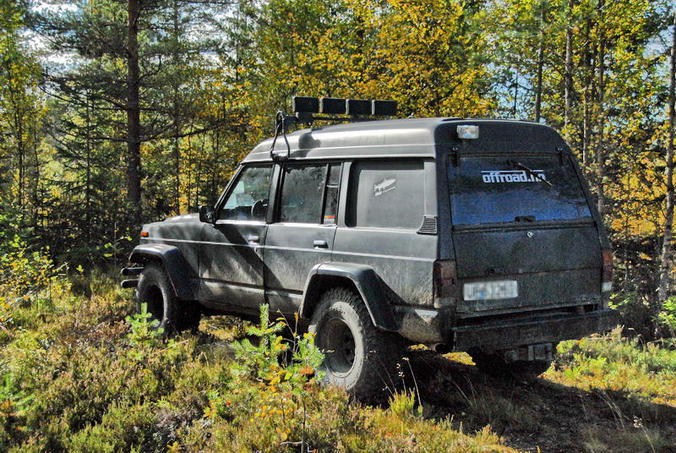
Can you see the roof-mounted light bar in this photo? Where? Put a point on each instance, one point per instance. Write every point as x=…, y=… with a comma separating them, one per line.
x=305, y=107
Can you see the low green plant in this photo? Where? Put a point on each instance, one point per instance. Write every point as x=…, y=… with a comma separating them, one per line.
x=404, y=404
x=613, y=362
x=282, y=373
x=144, y=331
x=667, y=320
x=26, y=277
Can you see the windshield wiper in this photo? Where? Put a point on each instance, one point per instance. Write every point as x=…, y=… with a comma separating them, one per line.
x=530, y=172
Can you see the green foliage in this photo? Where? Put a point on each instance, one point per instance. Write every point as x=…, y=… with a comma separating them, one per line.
x=667, y=318
x=26, y=277
x=78, y=377
x=615, y=363
x=404, y=405
x=144, y=332
x=262, y=361
x=635, y=313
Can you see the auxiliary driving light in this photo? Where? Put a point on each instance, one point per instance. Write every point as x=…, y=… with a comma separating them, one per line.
x=305, y=104
x=334, y=106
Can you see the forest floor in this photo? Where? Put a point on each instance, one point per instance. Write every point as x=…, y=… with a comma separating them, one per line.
x=545, y=414
x=78, y=375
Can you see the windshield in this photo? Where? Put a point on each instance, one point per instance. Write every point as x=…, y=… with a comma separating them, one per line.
x=498, y=189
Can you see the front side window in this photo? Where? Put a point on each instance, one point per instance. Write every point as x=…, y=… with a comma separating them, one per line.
x=248, y=200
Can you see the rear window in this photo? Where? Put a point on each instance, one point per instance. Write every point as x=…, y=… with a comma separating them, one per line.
x=515, y=189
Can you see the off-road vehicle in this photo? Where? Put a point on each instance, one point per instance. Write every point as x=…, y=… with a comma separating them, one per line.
x=474, y=235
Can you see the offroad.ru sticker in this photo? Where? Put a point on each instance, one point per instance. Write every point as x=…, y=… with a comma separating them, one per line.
x=499, y=176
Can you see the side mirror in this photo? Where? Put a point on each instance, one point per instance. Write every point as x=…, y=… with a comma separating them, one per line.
x=207, y=214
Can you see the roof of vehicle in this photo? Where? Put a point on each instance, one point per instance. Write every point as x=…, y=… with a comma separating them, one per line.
x=411, y=137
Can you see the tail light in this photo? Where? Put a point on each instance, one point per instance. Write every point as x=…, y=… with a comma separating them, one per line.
x=607, y=273
x=445, y=278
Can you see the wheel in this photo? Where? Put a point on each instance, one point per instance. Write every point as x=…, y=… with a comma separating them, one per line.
x=173, y=314
x=357, y=356
x=495, y=365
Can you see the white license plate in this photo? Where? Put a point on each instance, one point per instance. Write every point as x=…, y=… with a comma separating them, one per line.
x=501, y=289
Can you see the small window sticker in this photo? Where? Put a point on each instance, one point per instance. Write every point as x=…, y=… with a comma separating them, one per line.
x=384, y=186
x=503, y=176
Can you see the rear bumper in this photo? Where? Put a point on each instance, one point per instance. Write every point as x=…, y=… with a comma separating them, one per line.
x=498, y=335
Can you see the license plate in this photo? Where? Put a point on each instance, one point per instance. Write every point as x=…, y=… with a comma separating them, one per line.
x=501, y=289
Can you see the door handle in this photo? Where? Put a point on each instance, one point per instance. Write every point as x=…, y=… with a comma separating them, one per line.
x=320, y=244
x=253, y=239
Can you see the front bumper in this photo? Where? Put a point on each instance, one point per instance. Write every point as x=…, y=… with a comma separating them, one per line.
x=505, y=334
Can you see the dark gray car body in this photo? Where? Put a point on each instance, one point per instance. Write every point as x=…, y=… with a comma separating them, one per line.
x=233, y=266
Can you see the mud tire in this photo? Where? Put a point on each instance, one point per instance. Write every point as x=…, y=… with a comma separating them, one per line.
x=155, y=289
x=358, y=357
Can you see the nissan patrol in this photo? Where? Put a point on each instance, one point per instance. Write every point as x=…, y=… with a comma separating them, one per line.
x=474, y=235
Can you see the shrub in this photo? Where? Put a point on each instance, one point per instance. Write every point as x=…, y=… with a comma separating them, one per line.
x=25, y=277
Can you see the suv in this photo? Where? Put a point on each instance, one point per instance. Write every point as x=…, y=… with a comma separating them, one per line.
x=462, y=234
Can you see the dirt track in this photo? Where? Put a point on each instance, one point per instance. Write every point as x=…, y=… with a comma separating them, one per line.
x=541, y=414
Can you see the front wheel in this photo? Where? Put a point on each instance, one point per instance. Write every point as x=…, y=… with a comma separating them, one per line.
x=357, y=356
x=172, y=314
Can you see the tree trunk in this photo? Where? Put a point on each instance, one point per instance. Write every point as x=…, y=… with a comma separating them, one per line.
x=133, y=112
x=20, y=152
x=600, y=154
x=176, y=113
x=666, y=255
x=541, y=59
x=586, y=133
x=88, y=172
x=568, y=83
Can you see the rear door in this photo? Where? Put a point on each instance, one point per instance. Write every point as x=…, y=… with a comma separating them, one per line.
x=303, y=231
x=522, y=222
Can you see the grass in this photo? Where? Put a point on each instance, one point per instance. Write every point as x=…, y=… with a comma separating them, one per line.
x=80, y=378
x=78, y=373
x=614, y=363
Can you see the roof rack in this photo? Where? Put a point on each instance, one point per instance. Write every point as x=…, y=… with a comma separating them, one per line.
x=305, y=109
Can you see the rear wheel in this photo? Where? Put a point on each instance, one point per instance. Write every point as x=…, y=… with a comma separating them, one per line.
x=155, y=290
x=357, y=356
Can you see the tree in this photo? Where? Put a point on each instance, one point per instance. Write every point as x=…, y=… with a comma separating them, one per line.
x=666, y=260
x=21, y=110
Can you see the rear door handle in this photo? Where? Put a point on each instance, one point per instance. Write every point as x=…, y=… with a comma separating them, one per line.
x=253, y=239
x=320, y=244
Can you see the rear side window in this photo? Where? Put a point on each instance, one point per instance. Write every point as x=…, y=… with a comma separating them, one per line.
x=499, y=189
x=309, y=193
x=386, y=194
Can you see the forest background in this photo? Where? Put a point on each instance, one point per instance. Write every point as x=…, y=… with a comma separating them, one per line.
x=114, y=113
